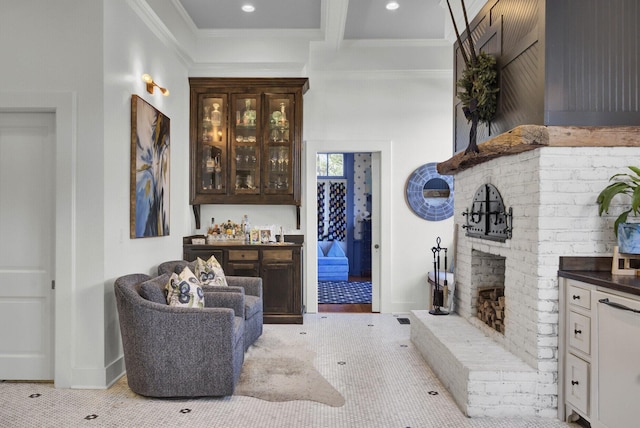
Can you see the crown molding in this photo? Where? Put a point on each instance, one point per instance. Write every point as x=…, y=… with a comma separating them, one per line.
x=395, y=43
x=383, y=74
x=159, y=29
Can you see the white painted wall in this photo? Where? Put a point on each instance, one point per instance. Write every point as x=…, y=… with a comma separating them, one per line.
x=412, y=111
x=81, y=48
x=131, y=49
x=51, y=47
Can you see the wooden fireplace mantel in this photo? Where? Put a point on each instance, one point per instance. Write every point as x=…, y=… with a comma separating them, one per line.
x=529, y=137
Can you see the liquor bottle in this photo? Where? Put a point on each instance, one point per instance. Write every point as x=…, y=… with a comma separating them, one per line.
x=246, y=228
x=209, y=169
x=216, y=121
x=206, y=125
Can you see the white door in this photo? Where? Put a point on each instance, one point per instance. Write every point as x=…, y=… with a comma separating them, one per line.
x=27, y=195
x=375, y=231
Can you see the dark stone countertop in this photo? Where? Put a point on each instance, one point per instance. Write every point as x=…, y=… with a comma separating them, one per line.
x=597, y=271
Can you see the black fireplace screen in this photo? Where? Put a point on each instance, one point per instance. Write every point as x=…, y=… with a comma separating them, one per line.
x=488, y=218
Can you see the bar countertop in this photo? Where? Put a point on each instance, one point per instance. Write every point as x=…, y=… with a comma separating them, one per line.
x=597, y=271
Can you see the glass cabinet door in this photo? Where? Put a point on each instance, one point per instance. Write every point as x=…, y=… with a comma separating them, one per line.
x=278, y=144
x=212, y=143
x=245, y=144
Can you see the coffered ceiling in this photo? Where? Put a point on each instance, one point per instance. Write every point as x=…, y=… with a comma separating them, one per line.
x=289, y=36
x=365, y=19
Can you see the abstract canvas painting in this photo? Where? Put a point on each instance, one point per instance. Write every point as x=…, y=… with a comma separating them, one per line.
x=149, y=198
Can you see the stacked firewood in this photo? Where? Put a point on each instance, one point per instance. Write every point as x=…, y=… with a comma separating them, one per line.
x=491, y=307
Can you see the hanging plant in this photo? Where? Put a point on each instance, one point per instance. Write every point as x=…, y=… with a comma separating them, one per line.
x=479, y=81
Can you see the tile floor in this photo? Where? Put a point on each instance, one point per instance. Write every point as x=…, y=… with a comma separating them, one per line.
x=367, y=357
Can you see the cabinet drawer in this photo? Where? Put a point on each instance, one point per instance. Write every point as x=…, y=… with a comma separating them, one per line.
x=193, y=254
x=578, y=296
x=241, y=255
x=577, y=383
x=579, y=332
x=243, y=269
x=277, y=255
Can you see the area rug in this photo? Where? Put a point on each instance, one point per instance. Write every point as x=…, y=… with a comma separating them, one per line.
x=342, y=292
x=275, y=371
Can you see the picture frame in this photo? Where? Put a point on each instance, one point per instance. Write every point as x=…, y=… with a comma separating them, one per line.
x=265, y=236
x=149, y=171
x=255, y=236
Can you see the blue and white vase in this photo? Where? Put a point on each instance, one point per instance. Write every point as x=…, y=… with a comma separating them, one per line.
x=629, y=238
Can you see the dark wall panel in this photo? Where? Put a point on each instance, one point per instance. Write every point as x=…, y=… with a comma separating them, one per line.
x=520, y=18
x=507, y=29
x=592, y=64
x=561, y=62
x=521, y=98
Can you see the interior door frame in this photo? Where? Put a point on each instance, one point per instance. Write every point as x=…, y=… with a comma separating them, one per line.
x=380, y=218
x=64, y=107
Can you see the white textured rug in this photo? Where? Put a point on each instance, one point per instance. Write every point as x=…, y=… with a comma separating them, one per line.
x=275, y=371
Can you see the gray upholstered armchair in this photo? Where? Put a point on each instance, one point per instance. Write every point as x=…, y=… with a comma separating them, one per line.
x=252, y=288
x=175, y=351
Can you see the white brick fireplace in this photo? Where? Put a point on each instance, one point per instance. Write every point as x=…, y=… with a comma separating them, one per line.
x=552, y=191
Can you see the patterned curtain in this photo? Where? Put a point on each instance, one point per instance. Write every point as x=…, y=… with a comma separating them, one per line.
x=337, y=212
x=321, y=198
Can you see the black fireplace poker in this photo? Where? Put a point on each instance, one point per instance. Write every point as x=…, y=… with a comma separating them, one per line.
x=438, y=294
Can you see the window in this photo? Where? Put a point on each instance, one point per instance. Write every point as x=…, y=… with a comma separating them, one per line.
x=330, y=165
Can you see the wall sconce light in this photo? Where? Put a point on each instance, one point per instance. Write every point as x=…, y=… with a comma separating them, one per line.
x=150, y=85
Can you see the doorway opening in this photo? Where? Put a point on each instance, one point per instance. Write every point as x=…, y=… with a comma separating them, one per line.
x=380, y=218
x=344, y=206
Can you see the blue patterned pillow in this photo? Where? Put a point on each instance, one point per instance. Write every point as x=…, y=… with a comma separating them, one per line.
x=210, y=272
x=184, y=290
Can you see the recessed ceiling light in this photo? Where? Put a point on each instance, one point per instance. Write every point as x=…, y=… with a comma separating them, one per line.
x=392, y=5
x=248, y=8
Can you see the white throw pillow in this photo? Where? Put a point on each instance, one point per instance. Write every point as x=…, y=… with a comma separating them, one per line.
x=210, y=272
x=184, y=290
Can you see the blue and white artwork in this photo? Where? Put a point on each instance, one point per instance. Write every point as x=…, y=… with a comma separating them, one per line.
x=149, y=170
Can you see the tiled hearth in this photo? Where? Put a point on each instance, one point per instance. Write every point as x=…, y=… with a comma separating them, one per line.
x=552, y=191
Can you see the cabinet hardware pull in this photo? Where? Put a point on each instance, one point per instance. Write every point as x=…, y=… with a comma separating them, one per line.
x=577, y=331
x=618, y=306
x=576, y=297
x=575, y=382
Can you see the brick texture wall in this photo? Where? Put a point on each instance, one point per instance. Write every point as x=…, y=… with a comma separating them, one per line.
x=552, y=191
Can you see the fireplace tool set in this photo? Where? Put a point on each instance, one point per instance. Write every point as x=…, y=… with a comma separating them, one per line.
x=439, y=293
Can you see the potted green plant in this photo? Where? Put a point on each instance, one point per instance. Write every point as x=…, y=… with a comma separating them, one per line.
x=628, y=234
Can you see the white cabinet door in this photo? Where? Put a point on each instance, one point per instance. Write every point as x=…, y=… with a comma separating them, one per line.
x=618, y=361
x=579, y=332
x=577, y=383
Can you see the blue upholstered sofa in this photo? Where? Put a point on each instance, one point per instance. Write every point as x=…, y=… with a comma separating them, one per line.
x=333, y=264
